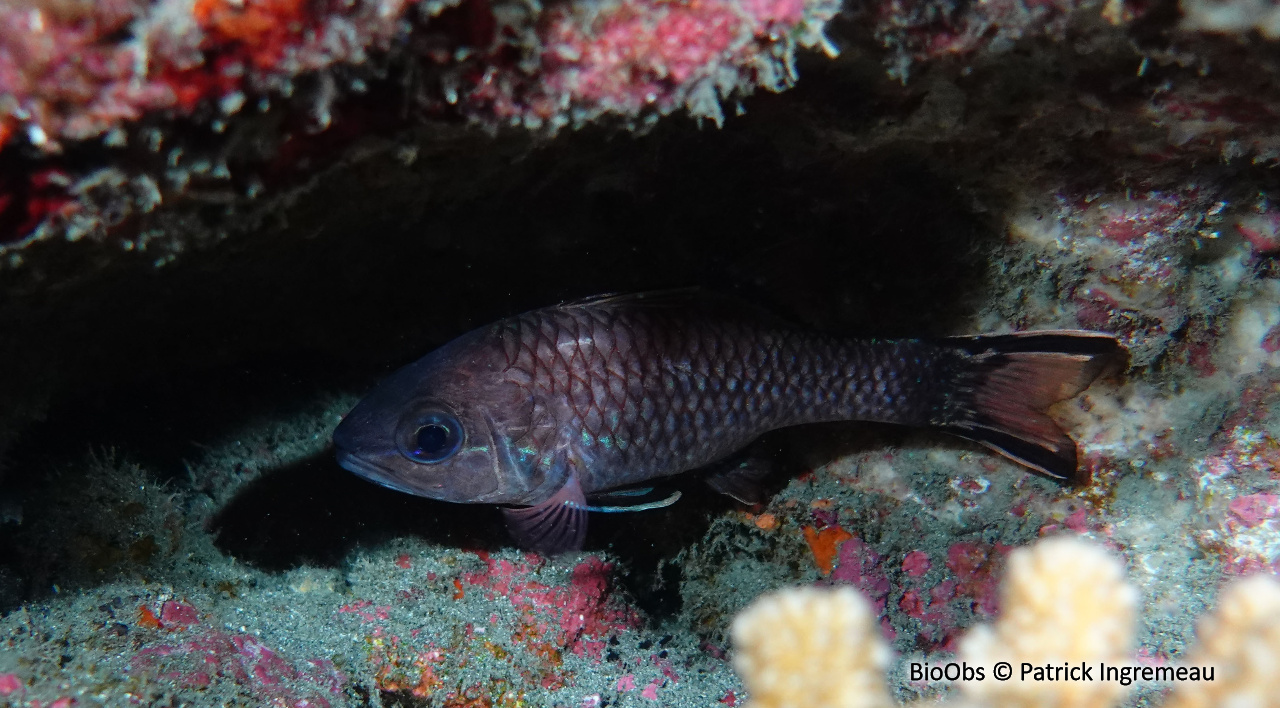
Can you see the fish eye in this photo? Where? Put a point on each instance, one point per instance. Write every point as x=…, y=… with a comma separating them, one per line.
x=432, y=437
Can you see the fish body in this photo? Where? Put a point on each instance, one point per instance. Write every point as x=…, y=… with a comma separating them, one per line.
x=544, y=409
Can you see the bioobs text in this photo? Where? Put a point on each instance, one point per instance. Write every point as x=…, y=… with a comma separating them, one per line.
x=1070, y=672
x=950, y=671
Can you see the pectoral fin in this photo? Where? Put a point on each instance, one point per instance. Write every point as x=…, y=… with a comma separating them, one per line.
x=557, y=525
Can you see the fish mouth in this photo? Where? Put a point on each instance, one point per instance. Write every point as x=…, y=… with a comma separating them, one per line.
x=372, y=472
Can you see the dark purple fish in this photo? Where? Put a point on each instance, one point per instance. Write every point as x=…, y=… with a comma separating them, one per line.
x=543, y=410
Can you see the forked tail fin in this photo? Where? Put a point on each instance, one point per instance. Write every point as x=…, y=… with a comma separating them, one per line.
x=1010, y=380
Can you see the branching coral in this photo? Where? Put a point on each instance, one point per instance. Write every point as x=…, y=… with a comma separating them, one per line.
x=1064, y=600
x=1242, y=639
x=812, y=647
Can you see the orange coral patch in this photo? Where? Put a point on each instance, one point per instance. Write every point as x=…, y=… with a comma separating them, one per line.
x=247, y=21
x=428, y=683
x=825, y=544
x=147, y=618
x=766, y=522
x=264, y=26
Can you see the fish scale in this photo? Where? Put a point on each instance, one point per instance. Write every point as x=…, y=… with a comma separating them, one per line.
x=539, y=410
x=706, y=386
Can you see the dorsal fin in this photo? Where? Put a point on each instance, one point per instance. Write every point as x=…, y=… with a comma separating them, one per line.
x=690, y=300
x=672, y=297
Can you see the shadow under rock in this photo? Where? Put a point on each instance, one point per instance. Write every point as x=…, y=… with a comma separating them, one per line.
x=877, y=243
x=315, y=512
x=161, y=421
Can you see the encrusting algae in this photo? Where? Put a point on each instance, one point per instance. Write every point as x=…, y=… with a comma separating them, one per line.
x=1065, y=602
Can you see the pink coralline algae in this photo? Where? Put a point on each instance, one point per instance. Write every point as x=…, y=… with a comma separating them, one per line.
x=178, y=614
x=171, y=616
x=976, y=568
x=1261, y=231
x=861, y=567
x=922, y=30
x=1245, y=461
x=1077, y=521
x=214, y=655
x=1253, y=509
x=10, y=684
x=647, y=57
x=76, y=72
x=1203, y=115
x=916, y=563
x=1130, y=286
x=67, y=75
x=1271, y=340
x=366, y=610
x=651, y=691
x=930, y=606
x=577, y=617
x=64, y=702
x=530, y=617
x=932, y=611
x=1136, y=218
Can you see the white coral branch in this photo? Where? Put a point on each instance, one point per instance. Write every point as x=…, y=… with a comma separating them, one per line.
x=1065, y=600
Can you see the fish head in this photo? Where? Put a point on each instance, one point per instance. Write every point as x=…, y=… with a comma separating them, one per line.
x=432, y=428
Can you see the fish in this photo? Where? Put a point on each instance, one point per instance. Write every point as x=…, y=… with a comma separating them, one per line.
x=543, y=412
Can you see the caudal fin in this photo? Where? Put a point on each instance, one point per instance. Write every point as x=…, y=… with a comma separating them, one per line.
x=1011, y=379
